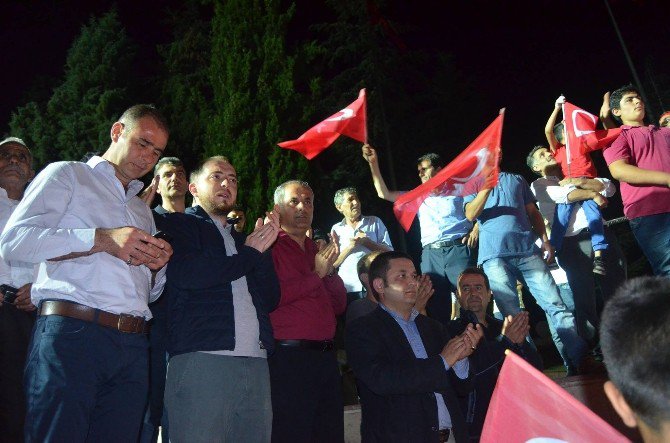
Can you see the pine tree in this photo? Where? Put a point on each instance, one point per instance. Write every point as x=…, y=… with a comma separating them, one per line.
x=252, y=82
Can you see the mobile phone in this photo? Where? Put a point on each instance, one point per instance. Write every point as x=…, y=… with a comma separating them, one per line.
x=470, y=317
x=9, y=293
x=163, y=236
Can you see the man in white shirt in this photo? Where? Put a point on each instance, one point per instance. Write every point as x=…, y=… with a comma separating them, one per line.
x=17, y=316
x=357, y=235
x=99, y=266
x=576, y=254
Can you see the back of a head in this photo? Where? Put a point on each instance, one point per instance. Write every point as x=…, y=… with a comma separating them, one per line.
x=635, y=339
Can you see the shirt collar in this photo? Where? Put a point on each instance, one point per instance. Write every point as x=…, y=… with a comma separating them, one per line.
x=397, y=316
x=98, y=163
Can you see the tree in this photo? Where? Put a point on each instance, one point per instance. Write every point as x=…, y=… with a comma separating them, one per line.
x=253, y=95
x=77, y=117
x=185, y=88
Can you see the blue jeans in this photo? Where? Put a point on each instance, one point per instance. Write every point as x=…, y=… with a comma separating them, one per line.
x=84, y=382
x=568, y=299
x=652, y=232
x=593, y=216
x=503, y=273
x=444, y=265
x=218, y=398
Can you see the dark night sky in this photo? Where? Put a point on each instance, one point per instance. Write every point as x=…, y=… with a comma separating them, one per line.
x=515, y=54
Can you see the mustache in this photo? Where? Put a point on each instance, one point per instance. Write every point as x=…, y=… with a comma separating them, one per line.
x=13, y=167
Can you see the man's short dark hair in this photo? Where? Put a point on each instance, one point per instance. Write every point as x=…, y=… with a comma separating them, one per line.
x=137, y=112
x=340, y=193
x=172, y=161
x=558, y=132
x=195, y=174
x=363, y=265
x=474, y=271
x=616, y=96
x=380, y=266
x=434, y=159
x=635, y=340
x=530, y=159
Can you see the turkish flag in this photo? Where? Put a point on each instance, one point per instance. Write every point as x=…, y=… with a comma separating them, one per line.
x=350, y=121
x=582, y=136
x=519, y=414
x=463, y=176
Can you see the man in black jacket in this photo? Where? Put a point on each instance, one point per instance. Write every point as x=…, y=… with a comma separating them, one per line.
x=221, y=288
x=409, y=368
x=474, y=296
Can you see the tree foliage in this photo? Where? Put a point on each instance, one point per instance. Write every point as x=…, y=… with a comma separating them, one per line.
x=251, y=76
x=95, y=86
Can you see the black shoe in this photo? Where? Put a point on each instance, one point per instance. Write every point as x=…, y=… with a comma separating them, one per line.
x=599, y=266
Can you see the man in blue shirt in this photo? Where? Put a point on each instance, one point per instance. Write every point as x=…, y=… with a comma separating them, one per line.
x=447, y=236
x=509, y=225
x=410, y=370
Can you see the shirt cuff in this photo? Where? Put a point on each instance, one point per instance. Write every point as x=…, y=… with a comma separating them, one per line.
x=461, y=367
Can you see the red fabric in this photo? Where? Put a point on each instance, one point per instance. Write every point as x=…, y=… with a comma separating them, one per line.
x=647, y=147
x=460, y=177
x=308, y=304
x=518, y=414
x=599, y=139
x=350, y=121
x=581, y=166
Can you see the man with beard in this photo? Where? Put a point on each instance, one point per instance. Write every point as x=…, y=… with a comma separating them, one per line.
x=357, y=235
x=220, y=289
x=306, y=386
x=16, y=317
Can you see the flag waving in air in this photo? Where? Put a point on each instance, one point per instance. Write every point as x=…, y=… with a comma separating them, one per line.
x=461, y=177
x=350, y=121
x=545, y=413
x=581, y=133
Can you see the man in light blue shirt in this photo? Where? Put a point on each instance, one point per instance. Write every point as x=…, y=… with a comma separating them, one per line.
x=410, y=370
x=448, y=238
x=357, y=235
x=510, y=223
x=99, y=266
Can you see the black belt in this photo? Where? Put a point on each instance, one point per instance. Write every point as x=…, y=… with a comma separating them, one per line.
x=315, y=345
x=443, y=435
x=121, y=322
x=445, y=243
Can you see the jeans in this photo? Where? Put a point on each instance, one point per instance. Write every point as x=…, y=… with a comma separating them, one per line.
x=84, y=382
x=444, y=265
x=567, y=297
x=652, y=232
x=593, y=216
x=503, y=273
x=218, y=398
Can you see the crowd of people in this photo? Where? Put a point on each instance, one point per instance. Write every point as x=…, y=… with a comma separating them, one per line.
x=242, y=339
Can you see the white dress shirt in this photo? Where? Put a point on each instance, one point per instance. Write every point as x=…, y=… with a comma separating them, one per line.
x=58, y=215
x=13, y=273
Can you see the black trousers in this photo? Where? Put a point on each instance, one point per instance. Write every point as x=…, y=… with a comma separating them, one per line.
x=15, y=332
x=306, y=396
x=576, y=259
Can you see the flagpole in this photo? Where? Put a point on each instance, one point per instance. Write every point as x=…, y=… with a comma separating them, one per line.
x=568, y=160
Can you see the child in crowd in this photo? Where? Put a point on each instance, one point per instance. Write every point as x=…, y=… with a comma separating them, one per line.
x=580, y=166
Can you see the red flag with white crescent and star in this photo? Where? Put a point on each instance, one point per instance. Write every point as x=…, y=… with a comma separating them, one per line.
x=543, y=413
x=350, y=121
x=463, y=176
x=582, y=136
